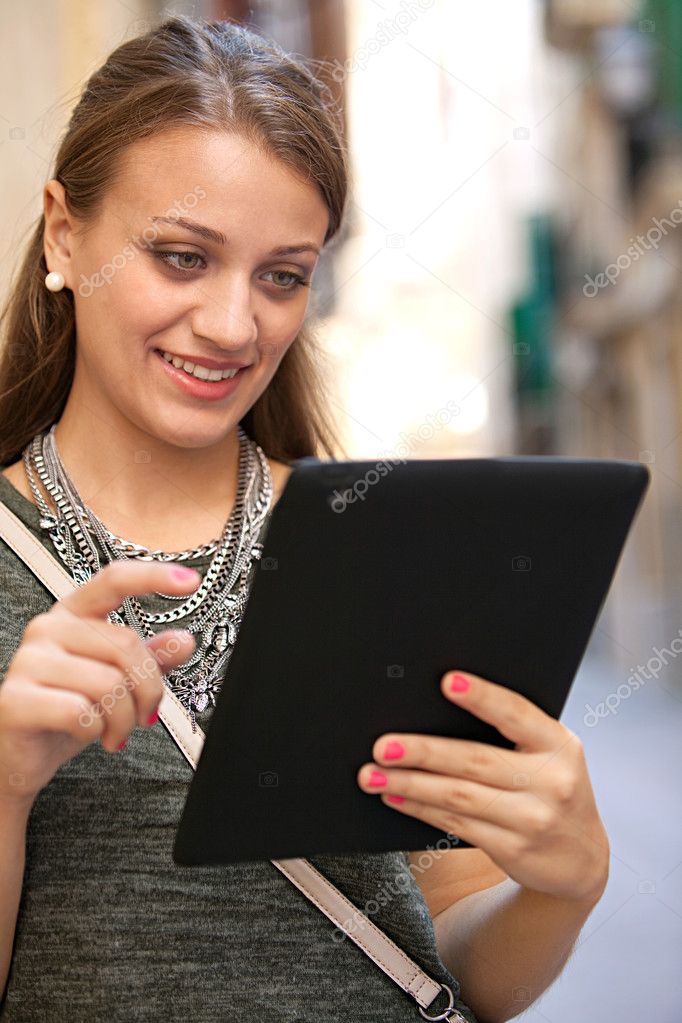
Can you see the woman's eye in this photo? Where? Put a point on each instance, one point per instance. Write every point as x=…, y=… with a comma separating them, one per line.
x=296, y=280
x=166, y=257
x=184, y=265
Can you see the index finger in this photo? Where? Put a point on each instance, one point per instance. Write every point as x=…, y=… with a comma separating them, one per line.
x=107, y=589
x=512, y=714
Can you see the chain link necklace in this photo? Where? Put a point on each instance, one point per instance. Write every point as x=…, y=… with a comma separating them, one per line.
x=73, y=529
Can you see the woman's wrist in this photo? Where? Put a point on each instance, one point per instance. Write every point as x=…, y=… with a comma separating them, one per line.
x=15, y=807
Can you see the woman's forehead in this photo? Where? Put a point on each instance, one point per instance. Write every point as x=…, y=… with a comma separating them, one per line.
x=226, y=170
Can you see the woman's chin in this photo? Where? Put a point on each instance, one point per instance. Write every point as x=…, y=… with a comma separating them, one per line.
x=190, y=440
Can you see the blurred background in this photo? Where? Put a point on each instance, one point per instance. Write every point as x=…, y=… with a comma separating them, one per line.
x=511, y=247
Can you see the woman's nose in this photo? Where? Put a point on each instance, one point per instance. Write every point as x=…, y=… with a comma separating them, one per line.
x=225, y=314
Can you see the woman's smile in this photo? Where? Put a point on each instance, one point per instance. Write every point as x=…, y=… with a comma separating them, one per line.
x=211, y=390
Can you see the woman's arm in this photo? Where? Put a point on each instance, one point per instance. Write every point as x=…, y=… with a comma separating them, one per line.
x=506, y=944
x=14, y=815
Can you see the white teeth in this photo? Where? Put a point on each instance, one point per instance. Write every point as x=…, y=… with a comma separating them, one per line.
x=200, y=372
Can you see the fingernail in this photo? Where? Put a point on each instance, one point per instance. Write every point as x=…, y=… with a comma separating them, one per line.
x=394, y=750
x=396, y=799
x=377, y=778
x=184, y=574
x=153, y=718
x=122, y=744
x=458, y=684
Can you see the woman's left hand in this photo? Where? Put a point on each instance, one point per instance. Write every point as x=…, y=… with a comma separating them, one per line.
x=531, y=809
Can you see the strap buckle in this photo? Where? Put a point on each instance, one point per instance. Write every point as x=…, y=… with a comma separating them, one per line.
x=449, y=1012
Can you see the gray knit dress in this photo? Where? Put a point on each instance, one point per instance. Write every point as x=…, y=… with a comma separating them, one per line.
x=111, y=929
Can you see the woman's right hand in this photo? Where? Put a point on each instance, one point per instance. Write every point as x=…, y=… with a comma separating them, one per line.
x=76, y=677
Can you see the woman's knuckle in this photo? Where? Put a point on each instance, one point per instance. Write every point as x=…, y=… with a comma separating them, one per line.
x=455, y=797
x=565, y=785
x=452, y=822
x=109, y=676
x=540, y=820
x=481, y=758
x=82, y=713
x=515, y=718
x=129, y=643
x=418, y=753
x=37, y=627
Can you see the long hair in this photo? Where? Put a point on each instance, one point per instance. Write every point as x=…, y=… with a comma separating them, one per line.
x=182, y=72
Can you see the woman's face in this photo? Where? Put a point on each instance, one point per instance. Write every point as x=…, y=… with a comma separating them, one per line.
x=143, y=285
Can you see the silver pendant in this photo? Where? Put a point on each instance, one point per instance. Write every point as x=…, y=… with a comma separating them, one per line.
x=219, y=639
x=199, y=698
x=81, y=572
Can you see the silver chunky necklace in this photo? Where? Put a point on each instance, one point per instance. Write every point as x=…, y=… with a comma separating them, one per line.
x=73, y=529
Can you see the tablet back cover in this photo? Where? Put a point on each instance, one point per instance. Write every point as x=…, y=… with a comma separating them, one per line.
x=371, y=586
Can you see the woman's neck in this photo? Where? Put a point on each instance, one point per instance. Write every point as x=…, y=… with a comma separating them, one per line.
x=178, y=517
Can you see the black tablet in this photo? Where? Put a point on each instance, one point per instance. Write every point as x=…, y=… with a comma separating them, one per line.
x=375, y=579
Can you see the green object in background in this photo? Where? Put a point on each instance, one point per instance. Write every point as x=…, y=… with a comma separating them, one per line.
x=532, y=316
x=663, y=19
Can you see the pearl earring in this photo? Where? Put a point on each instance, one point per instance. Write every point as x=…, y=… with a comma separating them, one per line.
x=54, y=281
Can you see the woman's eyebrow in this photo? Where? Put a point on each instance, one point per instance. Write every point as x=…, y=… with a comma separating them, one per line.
x=219, y=238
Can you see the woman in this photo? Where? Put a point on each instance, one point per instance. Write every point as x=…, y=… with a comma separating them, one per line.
x=200, y=175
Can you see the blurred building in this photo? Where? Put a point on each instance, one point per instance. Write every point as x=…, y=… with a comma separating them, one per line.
x=600, y=332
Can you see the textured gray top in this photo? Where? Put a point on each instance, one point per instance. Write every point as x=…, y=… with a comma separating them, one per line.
x=111, y=929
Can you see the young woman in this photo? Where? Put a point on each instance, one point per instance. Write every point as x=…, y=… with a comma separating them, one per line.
x=200, y=176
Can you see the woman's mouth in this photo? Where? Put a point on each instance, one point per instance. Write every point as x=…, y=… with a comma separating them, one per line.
x=205, y=385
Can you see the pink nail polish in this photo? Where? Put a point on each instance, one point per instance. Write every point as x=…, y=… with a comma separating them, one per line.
x=459, y=684
x=153, y=718
x=377, y=778
x=184, y=574
x=121, y=744
x=394, y=750
x=396, y=799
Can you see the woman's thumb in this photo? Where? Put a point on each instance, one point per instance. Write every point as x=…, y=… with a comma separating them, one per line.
x=171, y=646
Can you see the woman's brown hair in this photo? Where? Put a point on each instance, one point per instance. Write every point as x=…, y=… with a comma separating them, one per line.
x=183, y=72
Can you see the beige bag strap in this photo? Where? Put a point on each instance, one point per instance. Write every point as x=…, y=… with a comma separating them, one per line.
x=314, y=885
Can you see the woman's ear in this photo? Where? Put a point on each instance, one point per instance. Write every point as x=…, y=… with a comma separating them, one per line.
x=57, y=241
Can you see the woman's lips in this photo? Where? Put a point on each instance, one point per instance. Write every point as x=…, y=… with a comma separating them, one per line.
x=212, y=390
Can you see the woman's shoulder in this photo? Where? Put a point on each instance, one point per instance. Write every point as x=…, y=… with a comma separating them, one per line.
x=22, y=595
